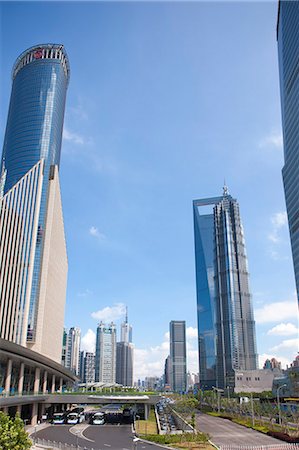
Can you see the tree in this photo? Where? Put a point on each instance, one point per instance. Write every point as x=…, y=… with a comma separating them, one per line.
x=12, y=433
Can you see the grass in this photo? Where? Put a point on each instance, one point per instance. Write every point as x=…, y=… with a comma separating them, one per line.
x=147, y=426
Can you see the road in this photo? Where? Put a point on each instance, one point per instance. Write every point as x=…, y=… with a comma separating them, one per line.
x=101, y=437
x=225, y=432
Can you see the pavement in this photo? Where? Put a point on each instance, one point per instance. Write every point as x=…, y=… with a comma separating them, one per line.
x=225, y=432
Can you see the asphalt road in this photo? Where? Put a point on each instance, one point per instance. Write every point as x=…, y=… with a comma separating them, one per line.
x=97, y=437
x=225, y=432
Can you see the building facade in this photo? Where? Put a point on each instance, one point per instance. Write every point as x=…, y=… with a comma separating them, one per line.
x=89, y=368
x=226, y=327
x=105, y=359
x=124, y=363
x=34, y=259
x=288, y=55
x=178, y=354
x=73, y=350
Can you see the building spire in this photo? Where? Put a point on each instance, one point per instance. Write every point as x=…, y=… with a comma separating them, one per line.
x=225, y=189
x=126, y=320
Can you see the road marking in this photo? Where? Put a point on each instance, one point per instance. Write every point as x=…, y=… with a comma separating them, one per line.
x=78, y=430
x=107, y=445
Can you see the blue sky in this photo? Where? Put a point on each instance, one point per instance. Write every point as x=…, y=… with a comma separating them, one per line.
x=165, y=101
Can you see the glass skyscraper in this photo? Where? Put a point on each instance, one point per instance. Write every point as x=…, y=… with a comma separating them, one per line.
x=226, y=328
x=40, y=78
x=178, y=362
x=288, y=54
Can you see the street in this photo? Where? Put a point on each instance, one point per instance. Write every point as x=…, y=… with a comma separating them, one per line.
x=225, y=432
x=101, y=437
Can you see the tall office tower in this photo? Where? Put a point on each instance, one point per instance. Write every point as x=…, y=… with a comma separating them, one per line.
x=73, y=350
x=64, y=348
x=124, y=363
x=81, y=365
x=124, y=355
x=126, y=330
x=178, y=352
x=226, y=328
x=33, y=257
x=105, y=360
x=167, y=373
x=89, y=368
x=288, y=55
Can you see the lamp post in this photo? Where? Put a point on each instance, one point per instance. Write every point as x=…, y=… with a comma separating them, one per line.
x=278, y=403
x=252, y=409
x=218, y=397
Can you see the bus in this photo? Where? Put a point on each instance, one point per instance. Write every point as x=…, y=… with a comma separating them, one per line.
x=59, y=418
x=97, y=418
x=75, y=416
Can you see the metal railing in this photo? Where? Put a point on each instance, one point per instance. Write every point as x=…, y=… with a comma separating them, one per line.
x=260, y=447
x=52, y=445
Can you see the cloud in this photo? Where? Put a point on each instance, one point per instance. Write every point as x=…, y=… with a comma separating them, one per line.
x=276, y=312
x=110, y=313
x=191, y=333
x=88, y=341
x=85, y=293
x=278, y=220
x=288, y=344
x=284, y=329
x=272, y=140
x=94, y=231
x=150, y=362
x=75, y=138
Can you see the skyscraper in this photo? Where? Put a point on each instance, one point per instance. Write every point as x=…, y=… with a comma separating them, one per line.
x=105, y=359
x=124, y=355
x=34, y=261
x=126, y=330
x=226, y=328
x=178, y=352
x=288, y=55
x=73, y=350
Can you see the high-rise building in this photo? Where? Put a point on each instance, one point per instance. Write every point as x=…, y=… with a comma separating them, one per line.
x=105, y=360
x=167, y=373
x=124, y=363
x=288, y=55
x=126, y=330
x=73, y=350
x=89, y=368
x=124, y=355
x=226, y=327
x=33, y=257
x=64, y=348
x=178, y=352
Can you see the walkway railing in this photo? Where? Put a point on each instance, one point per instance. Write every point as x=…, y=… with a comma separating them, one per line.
x=260, y=447
x=52, y=445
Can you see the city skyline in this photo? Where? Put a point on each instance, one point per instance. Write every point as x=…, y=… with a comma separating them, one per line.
x=164, y=105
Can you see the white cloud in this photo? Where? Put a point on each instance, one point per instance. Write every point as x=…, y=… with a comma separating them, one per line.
x=110, y=313
x=191, y=333
x=151, y=361
x=288, y=344
x=75, y=138
x=284, y=361
x=88, y=341
x=272, y=140
x=276, y=312
x=94, y=231
x=284, y=329
x=85, y=293
x=278, y=220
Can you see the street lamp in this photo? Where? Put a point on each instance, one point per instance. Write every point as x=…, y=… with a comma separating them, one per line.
x=218, y=396
x=278, y=403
